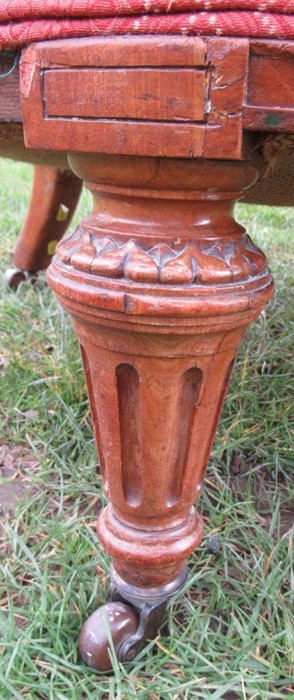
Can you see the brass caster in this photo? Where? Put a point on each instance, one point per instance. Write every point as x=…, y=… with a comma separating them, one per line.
x=15, y=276
x=116, y=619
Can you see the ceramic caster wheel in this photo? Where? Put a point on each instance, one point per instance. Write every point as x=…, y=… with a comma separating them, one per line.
x=121, y=620
x=14, y=277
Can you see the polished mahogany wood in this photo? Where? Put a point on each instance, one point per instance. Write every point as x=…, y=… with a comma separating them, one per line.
x=161, y=283
x=110, y=132
x=158, y=96
x=268, y=99
x=53, y=202
x=182, y=94
x=269, y=102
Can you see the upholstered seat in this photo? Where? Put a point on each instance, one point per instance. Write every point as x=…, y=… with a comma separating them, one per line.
x=24, y=21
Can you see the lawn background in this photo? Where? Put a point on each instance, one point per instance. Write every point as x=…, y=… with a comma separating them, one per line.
x=231, y=634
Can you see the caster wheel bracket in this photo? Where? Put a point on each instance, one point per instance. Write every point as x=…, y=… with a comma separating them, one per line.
x=151, y=617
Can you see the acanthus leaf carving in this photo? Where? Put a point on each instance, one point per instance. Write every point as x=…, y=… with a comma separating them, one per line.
x=204, y=262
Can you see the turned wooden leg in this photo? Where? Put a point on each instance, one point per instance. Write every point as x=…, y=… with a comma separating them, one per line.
x=161, y=283
x=53, y=202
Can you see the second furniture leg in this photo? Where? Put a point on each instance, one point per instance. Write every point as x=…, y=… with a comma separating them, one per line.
x=54, y=198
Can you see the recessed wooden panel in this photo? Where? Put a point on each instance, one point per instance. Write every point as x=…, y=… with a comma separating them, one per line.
x=271, y=82
x=157, y=94
x=270, y=95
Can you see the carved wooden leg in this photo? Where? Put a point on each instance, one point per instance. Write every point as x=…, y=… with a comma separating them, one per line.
x=53, y=202
x=161, y=283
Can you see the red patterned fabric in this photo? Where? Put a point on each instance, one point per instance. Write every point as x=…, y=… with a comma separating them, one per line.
x=15, y=10
x=24, y=21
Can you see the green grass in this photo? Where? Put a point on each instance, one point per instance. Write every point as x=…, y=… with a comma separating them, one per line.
x=231, y=633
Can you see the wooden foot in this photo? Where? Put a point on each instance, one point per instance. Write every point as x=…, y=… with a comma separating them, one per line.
x=161, y=283
x=53, y=202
